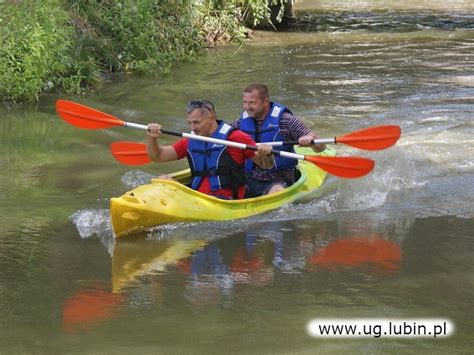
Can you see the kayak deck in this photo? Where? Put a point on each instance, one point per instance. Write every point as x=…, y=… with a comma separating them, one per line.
x=166, y=201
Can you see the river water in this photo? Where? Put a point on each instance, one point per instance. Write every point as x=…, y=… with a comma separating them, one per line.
x=396, y=244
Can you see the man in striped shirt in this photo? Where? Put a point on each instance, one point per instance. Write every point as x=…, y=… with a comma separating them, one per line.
x=267, y=121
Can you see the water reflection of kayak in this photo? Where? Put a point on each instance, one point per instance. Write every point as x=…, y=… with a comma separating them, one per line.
x=244, y=259
x=165, y=201
x=130, y=261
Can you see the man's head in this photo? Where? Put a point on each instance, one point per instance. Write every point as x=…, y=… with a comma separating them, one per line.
x=201, y=117
x=256, y=101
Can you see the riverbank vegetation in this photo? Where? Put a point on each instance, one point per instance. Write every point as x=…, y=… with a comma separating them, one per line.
x=70, y=46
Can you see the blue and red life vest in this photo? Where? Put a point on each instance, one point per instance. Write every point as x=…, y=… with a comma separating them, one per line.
x=270, y=132
x=213, y=161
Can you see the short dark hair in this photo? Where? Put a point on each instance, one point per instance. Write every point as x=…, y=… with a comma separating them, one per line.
x=260, y=88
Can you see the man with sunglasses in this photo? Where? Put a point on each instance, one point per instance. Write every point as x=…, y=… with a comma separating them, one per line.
x=267, y=121
x=217, y=170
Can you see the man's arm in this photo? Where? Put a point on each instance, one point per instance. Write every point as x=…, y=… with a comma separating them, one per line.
x=306, y=141
x=264, y=157
x=302, y=133
x=156, y=151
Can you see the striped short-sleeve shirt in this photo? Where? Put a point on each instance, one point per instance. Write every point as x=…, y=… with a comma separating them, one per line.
x=291, y=128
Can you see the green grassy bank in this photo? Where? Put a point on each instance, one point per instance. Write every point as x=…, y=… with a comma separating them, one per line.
x=68, y=46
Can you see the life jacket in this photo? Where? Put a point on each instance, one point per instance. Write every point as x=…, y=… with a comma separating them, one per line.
x=213, y=161
x=270, y=132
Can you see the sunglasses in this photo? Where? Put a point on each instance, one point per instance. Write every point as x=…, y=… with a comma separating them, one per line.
x=192, y=105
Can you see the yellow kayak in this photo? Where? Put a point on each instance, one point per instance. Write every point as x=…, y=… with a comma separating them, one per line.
x=166, y=201
x=131, y=261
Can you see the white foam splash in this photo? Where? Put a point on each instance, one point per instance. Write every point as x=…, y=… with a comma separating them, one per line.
x=394, y=171
x=91, y=223
x=134, y=178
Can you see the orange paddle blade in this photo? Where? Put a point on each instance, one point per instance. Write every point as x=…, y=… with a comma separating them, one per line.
x=85, y=117
x=346, y=167
x=130, y=153
x=373, y=251
x=373, y=138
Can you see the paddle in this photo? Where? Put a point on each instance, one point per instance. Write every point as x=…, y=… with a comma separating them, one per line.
x=372, y=138
x=88, y=118
x=132, y=153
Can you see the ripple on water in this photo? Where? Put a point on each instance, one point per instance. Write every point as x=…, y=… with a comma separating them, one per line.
x=461, y=80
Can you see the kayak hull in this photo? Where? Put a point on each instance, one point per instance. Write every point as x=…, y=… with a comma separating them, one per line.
x=166, y=201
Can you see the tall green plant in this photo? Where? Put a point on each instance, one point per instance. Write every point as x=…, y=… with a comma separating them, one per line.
x=135, y=35
x=35, y=48
x=66, y=44
x=259, y=12
x=226, y=20
x=220, y=21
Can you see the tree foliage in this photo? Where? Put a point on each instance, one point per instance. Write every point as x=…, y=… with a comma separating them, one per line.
x=68, y=44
